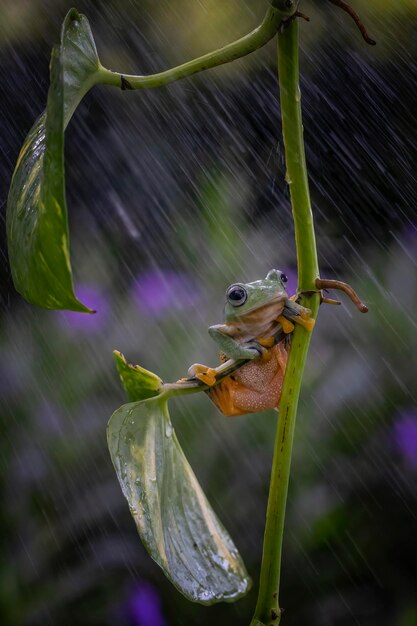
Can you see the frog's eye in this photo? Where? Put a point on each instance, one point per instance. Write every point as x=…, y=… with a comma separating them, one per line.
x=284, y=277
x=236, y=295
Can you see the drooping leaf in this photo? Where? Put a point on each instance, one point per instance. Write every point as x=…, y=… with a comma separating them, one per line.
x=139, y=383
x=174, y=518
x=37, y=222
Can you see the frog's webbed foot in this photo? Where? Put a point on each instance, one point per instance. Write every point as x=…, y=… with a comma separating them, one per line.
x=294, y=313
x=266, y=342
x=286, y=325
x=205, y=374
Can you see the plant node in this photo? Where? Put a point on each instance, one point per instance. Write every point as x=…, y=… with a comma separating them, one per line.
x=124, y=83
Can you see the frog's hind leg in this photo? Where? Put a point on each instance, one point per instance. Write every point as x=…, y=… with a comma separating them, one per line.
x=232, y=398
x=251, y=396
x=223, y=396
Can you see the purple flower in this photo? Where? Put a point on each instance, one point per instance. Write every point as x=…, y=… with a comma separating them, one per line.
x=158, y=292
x=144, y=606
x=405, y=436
x=95, y=299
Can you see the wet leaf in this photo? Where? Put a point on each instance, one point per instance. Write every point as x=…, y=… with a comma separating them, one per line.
x=37, y=221
x=139, y=383
x=174, y=518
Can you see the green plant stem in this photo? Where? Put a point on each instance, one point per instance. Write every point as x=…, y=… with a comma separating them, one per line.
x=242, y=47
x=267, y=610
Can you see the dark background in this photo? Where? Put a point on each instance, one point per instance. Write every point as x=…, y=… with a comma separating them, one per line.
x=173, y=194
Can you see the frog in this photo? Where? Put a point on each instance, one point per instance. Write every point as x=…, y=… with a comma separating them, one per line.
x=259, y=318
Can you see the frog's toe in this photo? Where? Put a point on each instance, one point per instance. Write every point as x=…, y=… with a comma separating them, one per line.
x=266, y=342
x=298, y=314
x=195, y=369
x=302, y=320
x=184, y=379
x=287, y=326
x=307, y=322
x=207, y=375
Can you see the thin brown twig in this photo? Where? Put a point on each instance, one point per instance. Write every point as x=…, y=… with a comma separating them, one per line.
x=326, y=283
x=324, y=300
x=302, y=15
x=348, y=9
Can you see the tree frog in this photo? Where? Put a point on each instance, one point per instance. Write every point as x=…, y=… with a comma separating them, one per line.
x=258, y=319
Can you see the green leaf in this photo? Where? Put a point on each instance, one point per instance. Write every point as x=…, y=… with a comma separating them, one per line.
x=174, y=518
x=37, y=221
x=139, y=383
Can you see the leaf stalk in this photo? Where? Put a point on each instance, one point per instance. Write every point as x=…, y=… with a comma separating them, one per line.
x=240, y=48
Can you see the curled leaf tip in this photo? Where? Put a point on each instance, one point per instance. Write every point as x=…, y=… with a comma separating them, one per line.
x=139, y=383
x=73, y=14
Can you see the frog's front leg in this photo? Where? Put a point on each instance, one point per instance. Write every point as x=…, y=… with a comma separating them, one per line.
x=232, y=348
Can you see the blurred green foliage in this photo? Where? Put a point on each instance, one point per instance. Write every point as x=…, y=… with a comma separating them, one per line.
x=67, y=533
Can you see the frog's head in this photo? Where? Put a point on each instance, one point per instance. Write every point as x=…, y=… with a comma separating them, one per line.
x=244, y=298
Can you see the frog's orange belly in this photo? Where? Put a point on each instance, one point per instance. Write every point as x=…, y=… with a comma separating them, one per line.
x=255, y=387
